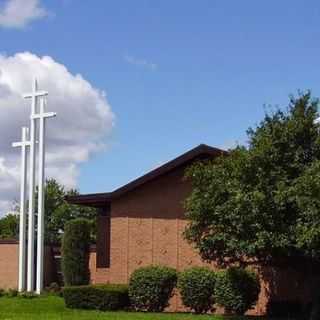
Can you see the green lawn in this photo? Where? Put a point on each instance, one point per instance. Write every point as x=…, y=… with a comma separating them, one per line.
x=52, y=308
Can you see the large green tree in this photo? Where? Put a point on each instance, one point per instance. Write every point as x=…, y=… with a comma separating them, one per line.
x=9, y=226
x=262, y=201
x=57, y=212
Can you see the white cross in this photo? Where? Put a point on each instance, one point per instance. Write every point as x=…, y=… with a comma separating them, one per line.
x=34, y=95
x=42, y=116
x=34, y=99
x=38, y=98
x=24, y=144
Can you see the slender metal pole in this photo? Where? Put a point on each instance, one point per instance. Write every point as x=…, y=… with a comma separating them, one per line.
x=35, y=95
x=22, y=228
x=40, y=239
x=30, y=275
x=22, y=225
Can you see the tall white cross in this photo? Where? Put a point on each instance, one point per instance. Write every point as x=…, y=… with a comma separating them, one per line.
x=34, y=99
x=42, y=116
x=23, y=199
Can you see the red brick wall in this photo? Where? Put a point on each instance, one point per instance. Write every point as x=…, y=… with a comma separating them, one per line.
x=147, y=227
x=9, y=265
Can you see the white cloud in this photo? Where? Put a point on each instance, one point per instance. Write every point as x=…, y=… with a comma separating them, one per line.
x=19, y=13
x=84, y=119
x=6, y=206
x=140, y=62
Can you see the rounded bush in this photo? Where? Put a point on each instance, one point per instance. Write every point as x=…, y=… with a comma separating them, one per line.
x=196, y=286
x=75, y=252
x=237, y=290
x=150, y=288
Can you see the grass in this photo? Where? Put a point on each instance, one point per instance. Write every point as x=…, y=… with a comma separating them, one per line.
x=52, y=308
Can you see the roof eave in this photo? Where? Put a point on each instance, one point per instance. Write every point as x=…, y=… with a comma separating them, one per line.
x=103, y=199
x=90, y=200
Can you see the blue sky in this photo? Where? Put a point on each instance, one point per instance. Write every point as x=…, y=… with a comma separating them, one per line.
x=176, y=73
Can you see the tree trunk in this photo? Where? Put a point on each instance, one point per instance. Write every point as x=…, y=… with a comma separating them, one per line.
x=315, y=309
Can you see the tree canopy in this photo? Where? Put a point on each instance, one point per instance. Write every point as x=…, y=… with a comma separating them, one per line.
x=261, y=202
x=57, y=212
x=9, y=226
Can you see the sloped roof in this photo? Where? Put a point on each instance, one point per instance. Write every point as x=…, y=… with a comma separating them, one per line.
x=98, y=199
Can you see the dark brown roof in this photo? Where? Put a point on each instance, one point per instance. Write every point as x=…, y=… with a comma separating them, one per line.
x=98, y=199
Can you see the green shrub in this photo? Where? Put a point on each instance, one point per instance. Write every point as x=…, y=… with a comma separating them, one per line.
x=196, y=286
x=2, y=292
x=75, y=252
x=53, y=289
x=28, y=295
x=99, y=297
x=237, y=290
x=150, y=288
x=11, y=293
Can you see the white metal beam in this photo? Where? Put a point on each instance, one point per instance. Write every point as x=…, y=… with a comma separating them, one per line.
x=42, y=115
x=32, y=164
x=22, y=225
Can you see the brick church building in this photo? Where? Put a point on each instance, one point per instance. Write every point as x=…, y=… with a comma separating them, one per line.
x=142, y=223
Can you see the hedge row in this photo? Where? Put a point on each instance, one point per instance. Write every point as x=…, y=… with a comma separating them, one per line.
x=150, y=289
x=99, y=297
